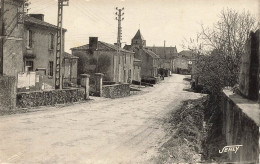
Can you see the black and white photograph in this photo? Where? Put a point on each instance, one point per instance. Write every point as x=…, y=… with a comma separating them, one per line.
x=129, y=81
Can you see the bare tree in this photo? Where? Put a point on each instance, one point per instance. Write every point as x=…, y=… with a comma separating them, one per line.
x=222, y=46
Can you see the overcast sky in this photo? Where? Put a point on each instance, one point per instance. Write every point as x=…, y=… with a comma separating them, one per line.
x=159, y=20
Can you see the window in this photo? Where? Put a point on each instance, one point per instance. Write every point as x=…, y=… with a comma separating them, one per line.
x=51, y=42
x=29, y=39
x=30, y=64
x=51, y=68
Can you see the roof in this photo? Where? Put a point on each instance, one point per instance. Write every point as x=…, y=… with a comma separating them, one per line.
x=100, y=44
x=128, y=47
x=32, y=20
x=170, y=52
x=186, y=53
x=138, y=35
x=151, y=53
x=69, y=56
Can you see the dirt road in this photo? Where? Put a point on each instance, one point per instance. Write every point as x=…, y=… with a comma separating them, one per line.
x=125, y=130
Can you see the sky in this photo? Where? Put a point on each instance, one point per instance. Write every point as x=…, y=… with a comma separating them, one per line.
x=158, y=20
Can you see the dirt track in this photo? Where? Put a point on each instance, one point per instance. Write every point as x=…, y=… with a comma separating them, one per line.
x=125, y=130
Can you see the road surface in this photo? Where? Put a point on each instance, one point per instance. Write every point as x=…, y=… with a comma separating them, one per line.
x=125, y=130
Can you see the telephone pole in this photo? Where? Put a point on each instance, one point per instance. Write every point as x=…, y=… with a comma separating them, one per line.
x=2, y=38
x=164, y=49
x=59, y=49
x=119, y=18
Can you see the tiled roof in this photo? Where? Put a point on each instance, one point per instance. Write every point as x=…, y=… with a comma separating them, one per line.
x=186, y=53
x=32, y=20
x=138, y=35
x=100, y=43
x=69, y=56
x=151, y=53
x=128, y=47
x=170, y=51
x=114, y=47
x=84, y=47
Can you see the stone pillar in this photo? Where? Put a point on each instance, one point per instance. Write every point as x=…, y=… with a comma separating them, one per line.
x=86, y=80
x=99, y=83
x=249, y=72
x=7, y=94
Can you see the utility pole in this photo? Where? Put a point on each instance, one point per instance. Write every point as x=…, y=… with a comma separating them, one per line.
x=2, y=38
x=119, y=18
x=164, y=49
x=59, y=49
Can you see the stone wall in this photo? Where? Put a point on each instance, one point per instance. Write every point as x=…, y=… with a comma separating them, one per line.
x=44, y=98
x=116, y=91
x=241, y=127
x=7, y=93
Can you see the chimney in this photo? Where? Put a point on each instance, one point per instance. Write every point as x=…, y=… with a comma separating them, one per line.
x=93, y=43
x=37, y=16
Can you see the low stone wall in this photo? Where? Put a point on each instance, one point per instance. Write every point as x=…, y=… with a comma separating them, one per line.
x=7, y=93
x=241, y=127
x=44, y=98
x=116, y=91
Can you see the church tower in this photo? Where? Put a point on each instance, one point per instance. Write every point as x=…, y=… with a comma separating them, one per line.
x=138, y=40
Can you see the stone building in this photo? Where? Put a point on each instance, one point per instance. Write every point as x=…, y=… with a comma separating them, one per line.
x=150, y=61
x=115, y=63
x=183, y=62
x=39, y=50
x=167, y=55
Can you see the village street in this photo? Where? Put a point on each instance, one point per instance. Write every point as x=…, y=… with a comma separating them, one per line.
x=124, y=130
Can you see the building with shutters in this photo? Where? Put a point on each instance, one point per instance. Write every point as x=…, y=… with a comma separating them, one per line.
x=115, y=63
x=39, y=51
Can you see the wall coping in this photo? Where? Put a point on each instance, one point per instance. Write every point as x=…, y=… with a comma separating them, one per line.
x=116, y=85
x=52, y=90
x=249, y=107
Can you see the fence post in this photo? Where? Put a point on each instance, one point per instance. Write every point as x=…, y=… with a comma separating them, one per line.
x=86, y=79
x=99, y=83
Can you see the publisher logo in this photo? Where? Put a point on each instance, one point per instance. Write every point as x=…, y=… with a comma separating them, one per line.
x=231, y=148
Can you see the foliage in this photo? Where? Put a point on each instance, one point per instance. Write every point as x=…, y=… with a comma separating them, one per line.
x=219, y=49
x=187, y=133
x=218, y=53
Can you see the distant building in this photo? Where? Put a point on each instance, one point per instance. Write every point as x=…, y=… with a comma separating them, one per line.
x=115, y=63
x=149, y=60
x=138, y=40
x=167, y=55
x=183, y=62
x=187, y=54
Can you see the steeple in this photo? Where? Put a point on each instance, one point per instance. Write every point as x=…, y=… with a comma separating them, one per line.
x=138, y=35
x=138, y=40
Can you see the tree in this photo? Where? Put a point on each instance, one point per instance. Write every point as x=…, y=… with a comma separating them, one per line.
x=220, y=48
